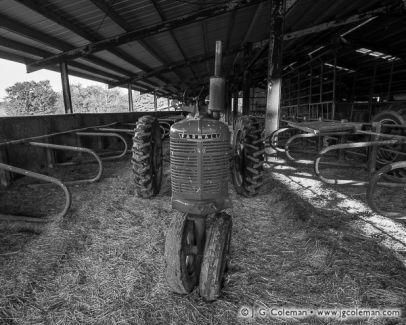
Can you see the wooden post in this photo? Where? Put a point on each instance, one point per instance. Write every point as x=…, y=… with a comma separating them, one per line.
x=371, y=93
x=388, y=96
x=246, y=81
x=333, y=108
x=5, y=176
x=130, y=98
x=274, y=69
x=373, y=151
x=67, y=99
x=155, y=102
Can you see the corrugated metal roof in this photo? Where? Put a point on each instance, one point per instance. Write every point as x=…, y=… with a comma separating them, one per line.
x=34, y=27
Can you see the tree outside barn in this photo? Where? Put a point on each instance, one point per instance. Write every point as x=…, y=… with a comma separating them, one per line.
x=30, y=98
x=37, y=98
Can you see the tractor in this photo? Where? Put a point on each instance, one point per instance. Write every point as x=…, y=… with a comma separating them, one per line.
x=199, y=236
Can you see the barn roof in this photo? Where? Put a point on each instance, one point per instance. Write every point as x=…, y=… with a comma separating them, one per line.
x=168, y=45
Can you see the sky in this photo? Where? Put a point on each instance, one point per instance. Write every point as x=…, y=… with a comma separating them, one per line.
x=12, y=72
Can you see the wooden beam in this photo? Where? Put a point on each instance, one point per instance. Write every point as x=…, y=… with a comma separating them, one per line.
x=42, y=53
x=125, y=38
x=74, y=26
x=71, y=24
x=120, y=21
x=335, y=23
x=205, y=41
x=258, y=11
x=136, y=86
x=11, y=44
x=173, y=66
x=231, y=21
x=21, y=59
x=246, y=81
x=38, y=36
x=386, y=49
x=164, y=18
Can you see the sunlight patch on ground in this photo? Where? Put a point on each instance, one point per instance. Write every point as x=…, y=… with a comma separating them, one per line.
x=391, y=233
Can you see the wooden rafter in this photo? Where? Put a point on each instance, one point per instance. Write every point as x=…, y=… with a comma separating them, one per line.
x=38, y=36
x=120, y=21
x=70, y=24
x=173, y=36
x=124, y=38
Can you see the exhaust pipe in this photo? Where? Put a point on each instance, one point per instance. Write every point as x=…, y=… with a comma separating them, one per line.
x=217, y=84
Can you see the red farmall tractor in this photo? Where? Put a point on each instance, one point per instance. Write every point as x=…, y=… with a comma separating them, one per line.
x=198, y=240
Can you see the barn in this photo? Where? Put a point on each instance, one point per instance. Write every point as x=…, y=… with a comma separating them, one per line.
x=269, y=189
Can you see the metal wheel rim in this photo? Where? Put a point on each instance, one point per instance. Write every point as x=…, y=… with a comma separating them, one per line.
x=190, y=240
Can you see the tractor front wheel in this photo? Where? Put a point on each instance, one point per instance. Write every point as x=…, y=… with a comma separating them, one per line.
x=183, y=252
x=215, y=256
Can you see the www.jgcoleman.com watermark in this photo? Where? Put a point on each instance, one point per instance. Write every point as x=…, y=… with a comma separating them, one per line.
x=338, y=313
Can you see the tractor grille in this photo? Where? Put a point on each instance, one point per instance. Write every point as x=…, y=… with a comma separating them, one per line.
x=199, y=168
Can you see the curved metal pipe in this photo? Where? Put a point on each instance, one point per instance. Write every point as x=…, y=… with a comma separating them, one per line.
x=372, y=186
x=128, y=131
x=114, y=135
x=76, y=149
x=272, y=138
x=165, y=130
x=24, y=140
x=349, y=146
x=307, y=135
x=49, y=179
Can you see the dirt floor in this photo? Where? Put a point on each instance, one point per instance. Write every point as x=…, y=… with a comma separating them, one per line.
x=300, y=243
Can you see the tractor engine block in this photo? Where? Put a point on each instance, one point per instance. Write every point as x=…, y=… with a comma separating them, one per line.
x=199, y=156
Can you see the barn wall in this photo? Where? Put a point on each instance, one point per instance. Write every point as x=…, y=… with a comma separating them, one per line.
x=37, y=159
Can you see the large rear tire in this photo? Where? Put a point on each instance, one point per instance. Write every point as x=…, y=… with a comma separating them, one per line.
x=147, y=157
x=215, y=257
x=248, y=156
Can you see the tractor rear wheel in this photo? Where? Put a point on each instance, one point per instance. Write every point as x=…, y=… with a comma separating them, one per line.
x=147, y=157
x=248, y=156
x=182, y=254
x=215, y=257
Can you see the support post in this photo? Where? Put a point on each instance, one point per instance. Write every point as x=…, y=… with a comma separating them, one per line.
x=67, y=99
x=373, y=152
x=333, y=107
x=155, y=102
x=274, y=69
x=371, y=93
x=130, y=98
x=246, y=81
x=5, y=176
